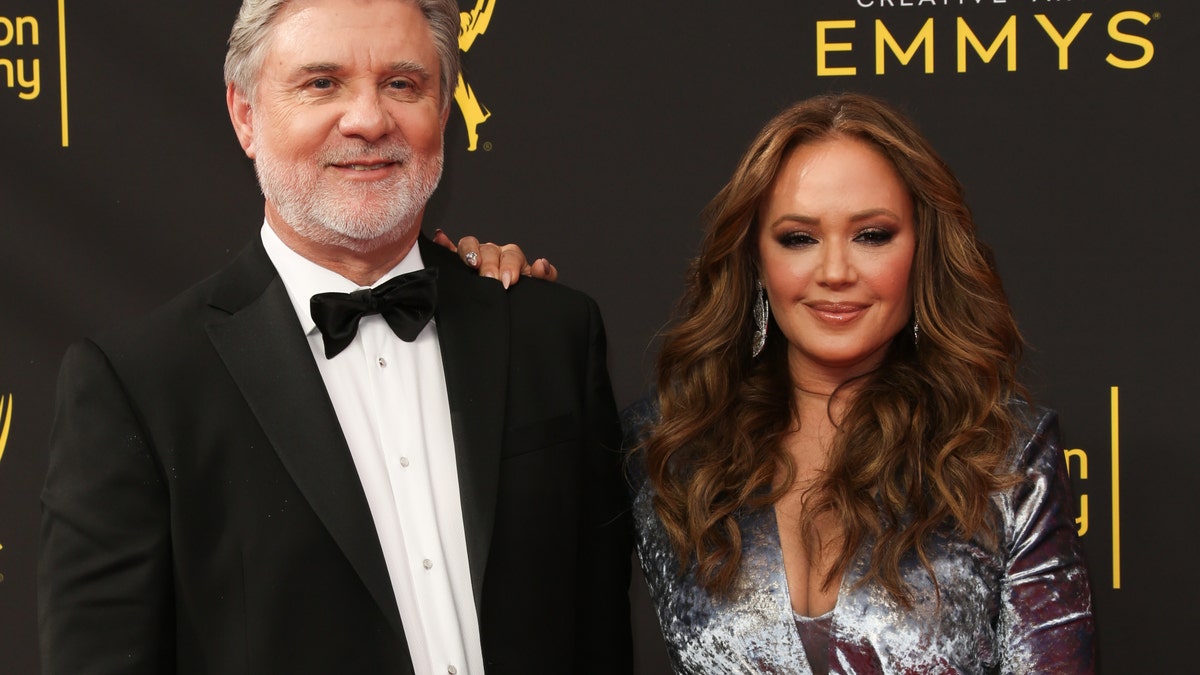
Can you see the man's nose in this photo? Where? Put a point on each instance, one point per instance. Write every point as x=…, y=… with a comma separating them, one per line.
x=366, y=117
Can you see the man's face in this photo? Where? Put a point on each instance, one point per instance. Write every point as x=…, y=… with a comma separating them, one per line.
x=346, y=125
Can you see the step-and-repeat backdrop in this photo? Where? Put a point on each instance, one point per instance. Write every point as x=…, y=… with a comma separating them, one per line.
x=593, y=132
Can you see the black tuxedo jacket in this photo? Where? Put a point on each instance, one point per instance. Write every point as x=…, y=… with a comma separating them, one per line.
x=202, y=513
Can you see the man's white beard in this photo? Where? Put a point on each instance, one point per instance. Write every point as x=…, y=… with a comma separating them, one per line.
x=358, y=216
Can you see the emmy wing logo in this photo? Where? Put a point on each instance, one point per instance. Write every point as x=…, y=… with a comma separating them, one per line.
x=474, y=23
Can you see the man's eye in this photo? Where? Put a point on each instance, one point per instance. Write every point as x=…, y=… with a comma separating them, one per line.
x=400, y=85
x=321, y=83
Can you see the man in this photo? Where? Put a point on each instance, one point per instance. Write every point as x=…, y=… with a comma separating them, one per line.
x=233, y=489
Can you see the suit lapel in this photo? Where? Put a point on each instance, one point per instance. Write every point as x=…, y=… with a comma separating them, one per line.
x=262, y=344
x=473, y=332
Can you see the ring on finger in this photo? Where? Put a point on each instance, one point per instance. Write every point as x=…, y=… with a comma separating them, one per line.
x=472, y=258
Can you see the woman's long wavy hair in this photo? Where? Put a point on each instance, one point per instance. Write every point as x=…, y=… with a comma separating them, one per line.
x=922, y=443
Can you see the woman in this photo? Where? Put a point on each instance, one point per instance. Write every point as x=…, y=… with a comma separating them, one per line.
x=838, y=472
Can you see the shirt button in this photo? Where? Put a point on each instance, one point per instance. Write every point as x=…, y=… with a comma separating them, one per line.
x=427, y=563
x=404, y=461
x=452, y=670
x=382, y=362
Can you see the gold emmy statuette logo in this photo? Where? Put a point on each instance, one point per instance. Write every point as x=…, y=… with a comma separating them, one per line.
x=474, y=24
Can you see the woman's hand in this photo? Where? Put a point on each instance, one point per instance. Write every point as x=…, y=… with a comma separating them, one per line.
x=505, y=263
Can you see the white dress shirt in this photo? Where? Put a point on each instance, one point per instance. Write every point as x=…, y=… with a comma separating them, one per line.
x=390, y=399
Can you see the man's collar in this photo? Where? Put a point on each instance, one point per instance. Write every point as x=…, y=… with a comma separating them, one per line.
x=304, y=278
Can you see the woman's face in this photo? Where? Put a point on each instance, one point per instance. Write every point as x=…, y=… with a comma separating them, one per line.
x=835, y=245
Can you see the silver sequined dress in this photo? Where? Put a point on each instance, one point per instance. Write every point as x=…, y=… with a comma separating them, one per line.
x=1025, y=608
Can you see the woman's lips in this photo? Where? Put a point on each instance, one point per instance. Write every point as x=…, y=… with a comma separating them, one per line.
x=836, y=312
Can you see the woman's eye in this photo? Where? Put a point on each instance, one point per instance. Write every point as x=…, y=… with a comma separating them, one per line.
x=797, y=239
x=874, y=236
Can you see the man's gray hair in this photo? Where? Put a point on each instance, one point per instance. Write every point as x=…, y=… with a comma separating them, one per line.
x=248, y=42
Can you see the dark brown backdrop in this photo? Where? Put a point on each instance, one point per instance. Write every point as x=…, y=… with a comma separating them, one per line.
x=611, y=125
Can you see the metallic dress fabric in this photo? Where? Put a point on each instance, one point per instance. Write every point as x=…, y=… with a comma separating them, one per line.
x=1024, y=607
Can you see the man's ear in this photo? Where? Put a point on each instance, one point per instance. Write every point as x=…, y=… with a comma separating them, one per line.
x=242, y=117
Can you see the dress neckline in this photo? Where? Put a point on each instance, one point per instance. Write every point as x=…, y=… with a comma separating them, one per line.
x=777, y=540
x=827, y=616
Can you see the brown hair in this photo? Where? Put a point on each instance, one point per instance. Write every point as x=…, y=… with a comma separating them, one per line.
x=921, y=444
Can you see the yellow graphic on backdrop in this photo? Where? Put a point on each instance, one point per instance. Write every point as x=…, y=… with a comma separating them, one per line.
x=1080, y=455
x=1116, y=486
x=21, y=38
x=5, y=421
x=62, y=68
x=474, y=23
x=1077, y=467
x=24, y=75
x=835, y=43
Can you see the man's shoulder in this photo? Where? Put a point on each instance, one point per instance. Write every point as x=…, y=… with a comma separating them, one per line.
x=548, y=316
x=536, y=292
x=550, y=302
x=173, y=324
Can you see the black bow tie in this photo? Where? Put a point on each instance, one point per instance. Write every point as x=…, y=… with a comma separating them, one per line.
x=405, y=302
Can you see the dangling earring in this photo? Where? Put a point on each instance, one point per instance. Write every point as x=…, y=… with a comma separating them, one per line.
x=916, y=333
x=761, y=312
